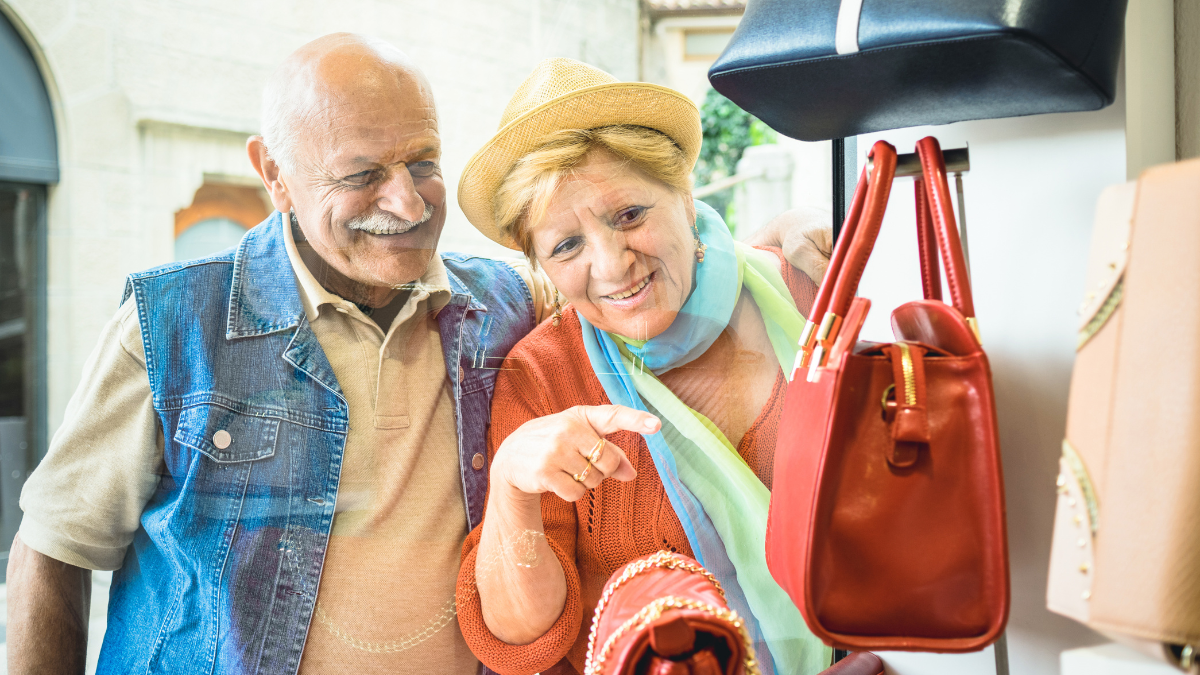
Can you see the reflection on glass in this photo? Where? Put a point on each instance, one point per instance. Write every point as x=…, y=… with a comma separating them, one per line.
x=18, y=373
x=207, y=237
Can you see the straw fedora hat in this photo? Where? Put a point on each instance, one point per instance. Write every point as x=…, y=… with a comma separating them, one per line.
x=566, y=94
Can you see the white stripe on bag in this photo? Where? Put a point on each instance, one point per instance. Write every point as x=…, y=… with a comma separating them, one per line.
x=846, y=40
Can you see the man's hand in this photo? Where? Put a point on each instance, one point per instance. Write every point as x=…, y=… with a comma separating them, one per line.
x=806, y=237
x=48, y=605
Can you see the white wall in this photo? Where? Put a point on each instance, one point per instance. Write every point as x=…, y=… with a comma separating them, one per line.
x=1030, y=199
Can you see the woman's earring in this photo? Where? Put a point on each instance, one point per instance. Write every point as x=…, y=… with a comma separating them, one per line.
x=556, y=317
x=701, y=247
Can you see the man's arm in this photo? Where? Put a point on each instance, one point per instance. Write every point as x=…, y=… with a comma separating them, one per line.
x=83, y=503
x=806, y=237
x=48, y=605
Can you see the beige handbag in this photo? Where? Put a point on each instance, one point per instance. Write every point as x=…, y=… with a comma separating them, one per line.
x=1125, y=558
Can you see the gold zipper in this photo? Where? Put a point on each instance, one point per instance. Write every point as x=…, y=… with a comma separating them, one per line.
x=910, y=384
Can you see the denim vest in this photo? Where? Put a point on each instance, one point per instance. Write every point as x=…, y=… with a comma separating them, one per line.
x=222, y=576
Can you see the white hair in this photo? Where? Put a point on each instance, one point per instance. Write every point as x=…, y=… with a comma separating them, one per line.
x=279, y=127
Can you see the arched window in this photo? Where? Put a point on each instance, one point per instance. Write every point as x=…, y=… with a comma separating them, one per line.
x=219, y=216
x=207, y=237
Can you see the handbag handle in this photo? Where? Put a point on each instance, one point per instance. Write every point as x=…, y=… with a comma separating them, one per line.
x=931, y=278
x=821, y=303
x=935, y=215
x=942, y=215
x=933, y=168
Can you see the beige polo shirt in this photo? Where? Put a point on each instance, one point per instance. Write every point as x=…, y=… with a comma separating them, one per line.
x=386, y=600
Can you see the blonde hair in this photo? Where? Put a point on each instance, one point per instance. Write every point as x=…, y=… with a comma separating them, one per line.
x=525, y=191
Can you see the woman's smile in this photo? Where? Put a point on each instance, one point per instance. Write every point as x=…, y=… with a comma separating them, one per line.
x=633, y=296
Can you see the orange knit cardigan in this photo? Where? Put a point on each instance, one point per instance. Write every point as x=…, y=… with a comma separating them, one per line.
x=547, y=372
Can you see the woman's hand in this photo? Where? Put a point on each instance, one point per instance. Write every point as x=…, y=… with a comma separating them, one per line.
x=806, y=237
x=564, y=453
x=551, y=453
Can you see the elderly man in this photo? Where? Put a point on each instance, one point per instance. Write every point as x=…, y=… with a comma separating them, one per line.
x=280, y=449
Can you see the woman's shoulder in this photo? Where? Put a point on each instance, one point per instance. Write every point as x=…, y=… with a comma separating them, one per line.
x=555, y=361
x=548, y=342
x=803, y=289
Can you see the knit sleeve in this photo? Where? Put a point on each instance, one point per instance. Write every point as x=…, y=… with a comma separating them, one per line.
x=803, y=289
x=518, y=398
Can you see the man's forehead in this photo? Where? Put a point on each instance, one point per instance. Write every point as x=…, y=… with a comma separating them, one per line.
x=394, y=114
x=382, y=125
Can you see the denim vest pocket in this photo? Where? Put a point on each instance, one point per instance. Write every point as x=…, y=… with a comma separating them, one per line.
x=226, y=435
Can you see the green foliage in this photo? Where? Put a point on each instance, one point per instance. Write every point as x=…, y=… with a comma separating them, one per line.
x=728, y=131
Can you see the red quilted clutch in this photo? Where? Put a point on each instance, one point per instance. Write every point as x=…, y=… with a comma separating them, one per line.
x=666, y=615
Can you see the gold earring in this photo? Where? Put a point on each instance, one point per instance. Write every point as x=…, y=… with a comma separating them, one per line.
x=701, y=247
x=556, y=317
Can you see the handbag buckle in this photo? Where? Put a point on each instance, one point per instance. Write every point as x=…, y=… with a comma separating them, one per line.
x=825, y=337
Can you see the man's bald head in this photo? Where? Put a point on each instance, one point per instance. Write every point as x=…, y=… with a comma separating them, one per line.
x=333, y=72
x=350, y=148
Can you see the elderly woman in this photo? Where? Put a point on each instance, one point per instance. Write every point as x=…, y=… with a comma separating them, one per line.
x=665, y=372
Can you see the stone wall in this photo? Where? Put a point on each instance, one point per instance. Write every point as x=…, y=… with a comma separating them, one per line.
x=152, y=97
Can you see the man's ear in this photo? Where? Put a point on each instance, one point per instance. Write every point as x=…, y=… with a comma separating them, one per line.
x=268, y=170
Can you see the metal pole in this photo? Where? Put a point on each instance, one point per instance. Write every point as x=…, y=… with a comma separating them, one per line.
x=962, y=221
x=839, y=186
x=844, y=177
x=1001, y=650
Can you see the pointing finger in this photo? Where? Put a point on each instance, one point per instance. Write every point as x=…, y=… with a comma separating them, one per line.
x=607, y=419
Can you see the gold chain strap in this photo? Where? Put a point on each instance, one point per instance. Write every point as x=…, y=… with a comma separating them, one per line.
x=653, y=611
x=661, y=560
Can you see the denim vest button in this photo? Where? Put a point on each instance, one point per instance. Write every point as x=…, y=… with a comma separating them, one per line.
x=222, y=439
x=477, y=461
x=461, y=373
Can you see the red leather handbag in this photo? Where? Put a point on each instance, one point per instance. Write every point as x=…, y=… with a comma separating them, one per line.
x=887, y=522
x=664, y=614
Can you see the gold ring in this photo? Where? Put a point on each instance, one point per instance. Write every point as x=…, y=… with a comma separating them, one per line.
x=582, y=475
x=596, y=451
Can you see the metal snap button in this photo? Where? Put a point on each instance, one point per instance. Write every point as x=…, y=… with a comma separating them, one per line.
x=222, y=439
x=461, y=373
x=477, y=461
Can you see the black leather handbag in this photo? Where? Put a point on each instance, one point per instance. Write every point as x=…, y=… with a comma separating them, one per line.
x=820, y=69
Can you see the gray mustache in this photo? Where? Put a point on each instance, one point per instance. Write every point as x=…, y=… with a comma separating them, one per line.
x=381, y=220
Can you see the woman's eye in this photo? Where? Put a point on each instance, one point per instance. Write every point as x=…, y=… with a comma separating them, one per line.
x=630, y=216
x=567, y=246
x=423, y=169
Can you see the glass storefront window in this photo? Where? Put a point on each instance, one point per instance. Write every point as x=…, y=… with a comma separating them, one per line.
x=22, y=347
